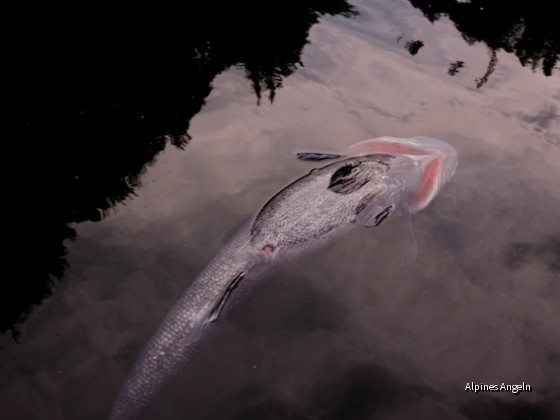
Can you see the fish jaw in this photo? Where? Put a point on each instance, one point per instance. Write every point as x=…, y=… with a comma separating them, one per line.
x=438, y=161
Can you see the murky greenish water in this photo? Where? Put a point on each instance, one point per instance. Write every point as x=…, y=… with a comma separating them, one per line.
x=347, y=333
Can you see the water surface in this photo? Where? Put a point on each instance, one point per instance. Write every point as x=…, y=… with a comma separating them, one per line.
x=348, y=332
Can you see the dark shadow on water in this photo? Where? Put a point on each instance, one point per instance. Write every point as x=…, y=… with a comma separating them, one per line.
x=301, y=309
x=530, y=30
x=364, y=391
x=518, y=254
x=493, y=409
x=102, y=88
x=255, y=403
x=269, y=410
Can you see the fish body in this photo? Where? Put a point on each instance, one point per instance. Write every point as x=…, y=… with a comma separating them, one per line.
x=170, y=347
x=370, y=181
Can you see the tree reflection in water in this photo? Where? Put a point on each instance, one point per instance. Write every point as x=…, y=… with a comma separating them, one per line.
x=530, y=30
x=103, y=87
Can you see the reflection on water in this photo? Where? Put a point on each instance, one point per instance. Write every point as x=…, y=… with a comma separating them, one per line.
x=121, y=83
x=414, y=46
x=528, y=29
x=129, y=80
x=328, y=337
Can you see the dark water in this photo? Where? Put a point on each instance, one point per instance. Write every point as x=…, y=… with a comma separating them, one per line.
x=149, y=136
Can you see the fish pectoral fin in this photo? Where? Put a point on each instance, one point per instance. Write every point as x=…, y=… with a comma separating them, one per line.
x=217, y=309
x=373, y=209
x=316, y=155
x=370, y=214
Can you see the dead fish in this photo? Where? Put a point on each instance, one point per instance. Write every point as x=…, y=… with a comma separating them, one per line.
x=370, y=181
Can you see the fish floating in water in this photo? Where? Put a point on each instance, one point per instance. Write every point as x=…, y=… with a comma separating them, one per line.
x=369, y=181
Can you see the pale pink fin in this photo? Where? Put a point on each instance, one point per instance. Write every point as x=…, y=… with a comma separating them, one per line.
x=383, y=145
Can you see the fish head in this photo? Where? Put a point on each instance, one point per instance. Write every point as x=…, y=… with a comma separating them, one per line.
x=429, y=165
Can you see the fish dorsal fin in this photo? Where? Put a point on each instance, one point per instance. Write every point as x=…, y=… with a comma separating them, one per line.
x=349, y=178
x=373, y=209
